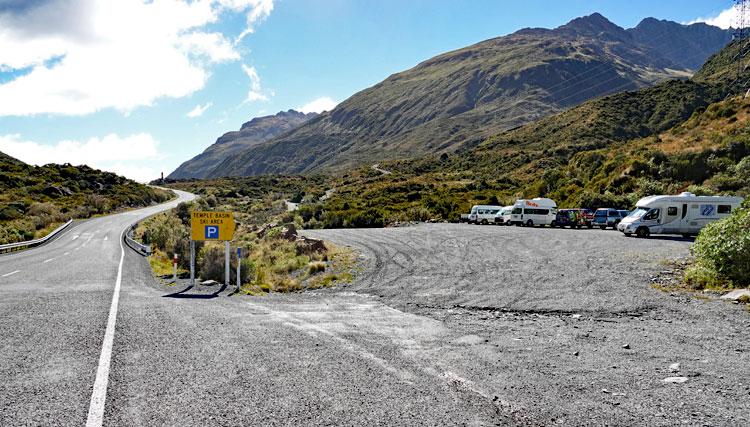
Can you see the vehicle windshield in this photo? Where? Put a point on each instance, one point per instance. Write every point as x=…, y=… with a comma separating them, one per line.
x=638, y=213
x=474, y=210
x=601, y=213
x=517, y=211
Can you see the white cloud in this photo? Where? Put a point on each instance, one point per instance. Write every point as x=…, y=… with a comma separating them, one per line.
x=199, y=110
x=725, y=19
x=319, y=105
x=256, y=91
x=122, y=155
x=257, y=11
x=112, y=54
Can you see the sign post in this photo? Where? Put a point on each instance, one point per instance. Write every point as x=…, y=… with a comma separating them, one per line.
x=211, y=226
x=192, y=263
x=174, y=267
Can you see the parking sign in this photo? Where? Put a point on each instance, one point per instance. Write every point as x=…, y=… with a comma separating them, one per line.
x=212, y=226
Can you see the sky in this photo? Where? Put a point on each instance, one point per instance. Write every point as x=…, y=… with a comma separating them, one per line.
x=139, y=86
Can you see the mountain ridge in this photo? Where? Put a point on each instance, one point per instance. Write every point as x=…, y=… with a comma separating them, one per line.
x=251, y=133
x=459, y=98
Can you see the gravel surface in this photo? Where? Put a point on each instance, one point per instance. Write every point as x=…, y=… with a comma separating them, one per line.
x=444, y=325
x=562, y=326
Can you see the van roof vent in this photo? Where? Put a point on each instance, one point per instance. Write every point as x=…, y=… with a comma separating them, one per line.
x=687, y=194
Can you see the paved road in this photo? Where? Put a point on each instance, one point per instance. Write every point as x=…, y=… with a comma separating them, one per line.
x=445, y=325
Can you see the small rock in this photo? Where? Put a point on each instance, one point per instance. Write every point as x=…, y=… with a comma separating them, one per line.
x=626, y=346
x=209, y=283
x=675, y=367
x=736, y=295
x=604, y=390
x=576, y=316
x=675, y=380
x=576, y=353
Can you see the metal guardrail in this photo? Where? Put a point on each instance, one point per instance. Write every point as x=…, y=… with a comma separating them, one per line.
x=10, y=247
x=139, y=247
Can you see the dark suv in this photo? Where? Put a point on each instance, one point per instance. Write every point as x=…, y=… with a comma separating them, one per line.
x=607, y=217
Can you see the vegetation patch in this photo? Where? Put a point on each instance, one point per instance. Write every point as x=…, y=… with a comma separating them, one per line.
x=35, y=200
x=275, y=258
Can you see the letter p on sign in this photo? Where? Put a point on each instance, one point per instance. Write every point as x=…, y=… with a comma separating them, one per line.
x=212, y=232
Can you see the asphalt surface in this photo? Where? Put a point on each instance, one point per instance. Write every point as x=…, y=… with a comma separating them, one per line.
x=444, y=325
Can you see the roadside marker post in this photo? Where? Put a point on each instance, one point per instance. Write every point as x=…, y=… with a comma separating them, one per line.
x=174, y=267
x=239, y=266
x=211, y=226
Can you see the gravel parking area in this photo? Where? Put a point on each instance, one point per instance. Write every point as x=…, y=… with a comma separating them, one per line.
x=561, y=326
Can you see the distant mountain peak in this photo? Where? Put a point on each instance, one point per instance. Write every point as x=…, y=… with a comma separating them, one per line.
x=596, y=23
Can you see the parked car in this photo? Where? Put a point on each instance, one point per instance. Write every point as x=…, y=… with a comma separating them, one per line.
x=503, y=217
x=463, y=218
x=685, y=214
x=567, y=218
x=607, y=217
x=585, y=217
x=537, y=211
x=483, y=214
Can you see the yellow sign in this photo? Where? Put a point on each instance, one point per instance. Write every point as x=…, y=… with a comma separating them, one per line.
x=212, y=226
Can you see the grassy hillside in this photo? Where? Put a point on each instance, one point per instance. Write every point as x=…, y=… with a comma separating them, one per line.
x=459, y=98
x=707, y=154
x=35, y=199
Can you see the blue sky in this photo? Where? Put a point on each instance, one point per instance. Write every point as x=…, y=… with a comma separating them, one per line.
x=116, y=88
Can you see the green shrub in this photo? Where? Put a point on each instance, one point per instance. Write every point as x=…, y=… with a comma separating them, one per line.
x=722, y=252
x=211, y=263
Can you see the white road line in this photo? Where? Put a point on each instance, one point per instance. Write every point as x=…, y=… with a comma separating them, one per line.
x=47, y=260
x=99, y=393
x=11, y=273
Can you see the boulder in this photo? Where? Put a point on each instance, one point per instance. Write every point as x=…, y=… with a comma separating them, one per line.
x=289, y=232
x=308, y=246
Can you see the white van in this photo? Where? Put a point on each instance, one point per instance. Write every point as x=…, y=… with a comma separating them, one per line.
x=538, y=211
x=483, y=214
x=685, y=214
x=503, y=217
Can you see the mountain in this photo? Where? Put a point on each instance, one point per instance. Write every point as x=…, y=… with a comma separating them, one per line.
x=252, y=133
x=459, y=98
x=690, y=135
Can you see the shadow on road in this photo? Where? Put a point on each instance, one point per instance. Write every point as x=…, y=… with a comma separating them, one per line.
x=183, y=294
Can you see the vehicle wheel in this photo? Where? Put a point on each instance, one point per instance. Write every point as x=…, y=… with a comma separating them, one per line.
x=579, y=226
x=643, y=232
x=529, y=223
x=603, y=227
x=554, y=224
x=628, y=234
x=590, y=226
x=687, y=235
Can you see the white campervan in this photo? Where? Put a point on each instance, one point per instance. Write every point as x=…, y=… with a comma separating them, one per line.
x=503, y=217
x=533, y=212
x=685, y=214
x=483, y=214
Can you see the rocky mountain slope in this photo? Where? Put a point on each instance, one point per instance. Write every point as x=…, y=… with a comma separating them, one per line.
x=252, y=133
x=458, y=99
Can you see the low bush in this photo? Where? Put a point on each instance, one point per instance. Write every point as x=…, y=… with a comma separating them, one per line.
x=722, y=252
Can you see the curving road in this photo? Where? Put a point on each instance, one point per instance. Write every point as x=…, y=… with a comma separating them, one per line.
x=444, y=325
